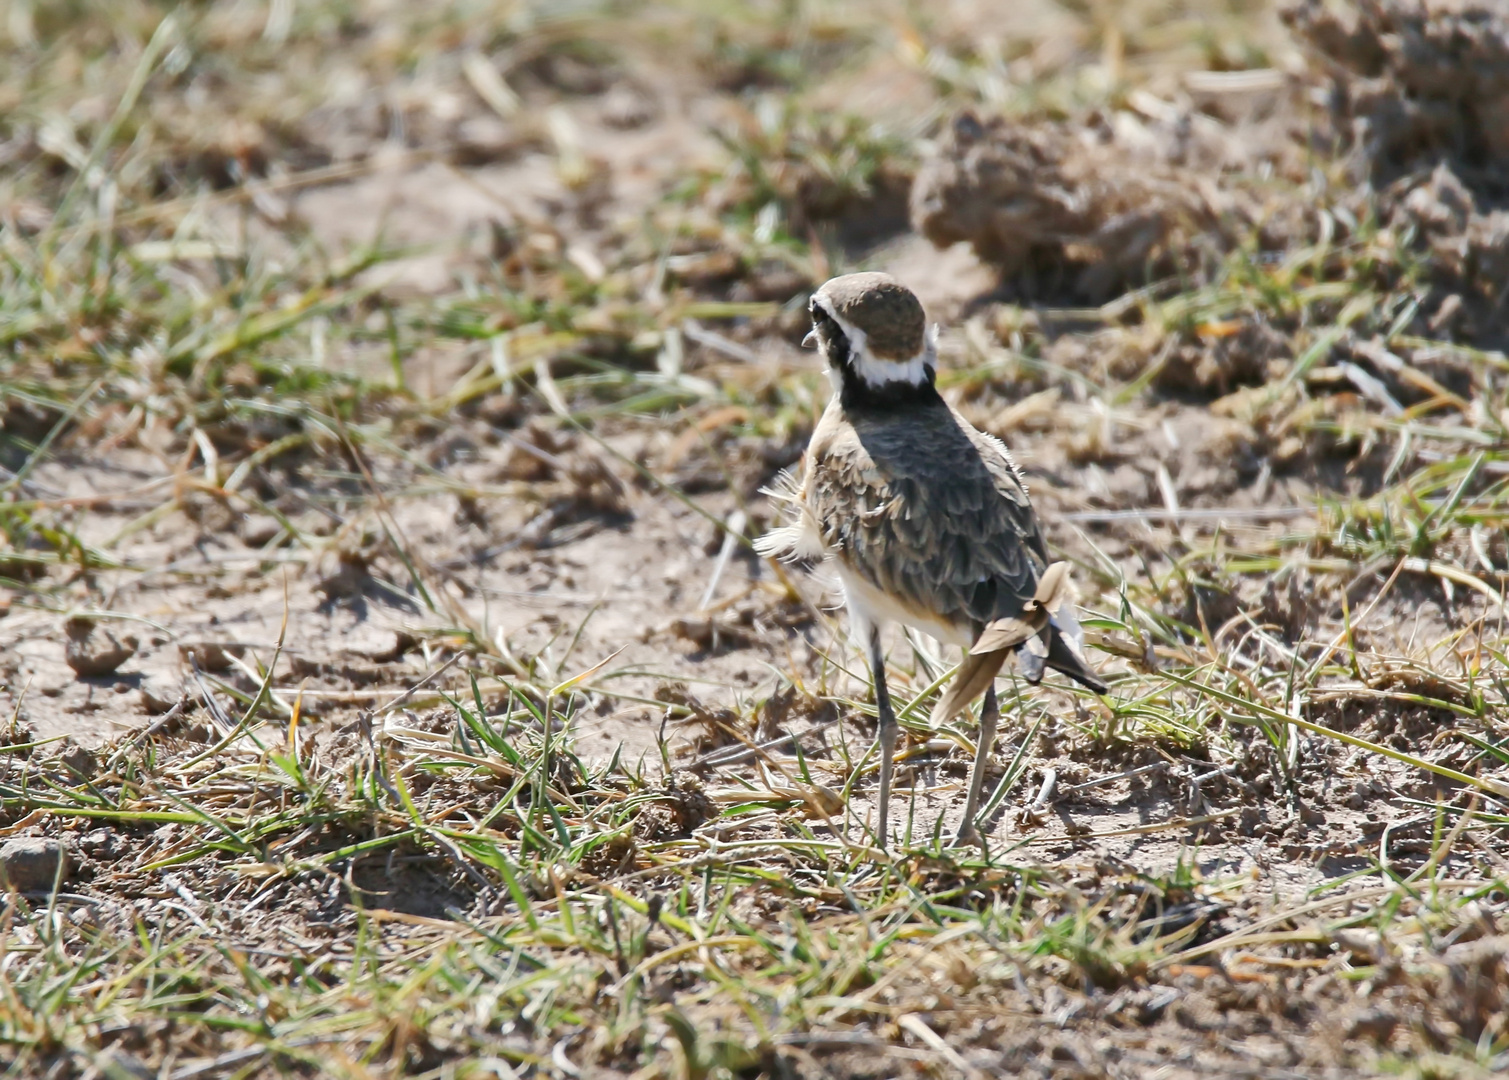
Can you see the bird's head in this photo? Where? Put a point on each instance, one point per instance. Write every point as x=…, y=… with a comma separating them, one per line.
x=874, y=334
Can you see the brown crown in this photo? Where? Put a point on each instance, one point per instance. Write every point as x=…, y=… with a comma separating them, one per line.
x=889, y=313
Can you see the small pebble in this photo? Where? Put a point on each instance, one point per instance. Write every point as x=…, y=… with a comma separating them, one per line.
x=30, y=863
x=624, y=107
x=210, y=655
x=97, y=842
x=158, y=696
x=94, y=654
x=117, y=1062
x=259, y=530
x=78, y=761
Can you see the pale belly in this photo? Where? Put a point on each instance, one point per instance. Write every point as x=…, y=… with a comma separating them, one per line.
x=868, y=607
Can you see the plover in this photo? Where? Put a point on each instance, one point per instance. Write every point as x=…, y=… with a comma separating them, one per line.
x=926, y=520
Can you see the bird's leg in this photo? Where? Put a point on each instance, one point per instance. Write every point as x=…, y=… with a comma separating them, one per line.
x=888, y=731
x=989, y=712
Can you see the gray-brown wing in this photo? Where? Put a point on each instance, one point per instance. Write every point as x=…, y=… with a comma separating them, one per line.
x=930, y=511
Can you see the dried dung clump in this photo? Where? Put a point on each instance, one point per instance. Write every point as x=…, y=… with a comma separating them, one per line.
x=1247, y=354
x=1422, y=90
x=819, y=169
x=1417, y=80
x=1469, y=248
x=1060, y=209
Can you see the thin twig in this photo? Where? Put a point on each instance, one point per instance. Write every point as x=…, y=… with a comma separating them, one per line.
x=399, y=701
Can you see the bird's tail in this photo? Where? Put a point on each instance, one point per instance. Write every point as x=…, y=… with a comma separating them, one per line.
x=1066, y=654
x=1045, y=634
x=975, y=674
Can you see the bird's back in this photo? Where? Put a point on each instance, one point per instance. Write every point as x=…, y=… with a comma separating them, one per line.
x=926, y=509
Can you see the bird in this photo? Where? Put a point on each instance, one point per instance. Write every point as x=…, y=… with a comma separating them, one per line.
x=926, y=519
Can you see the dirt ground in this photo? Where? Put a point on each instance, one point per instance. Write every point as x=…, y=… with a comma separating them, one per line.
x=1229, y=284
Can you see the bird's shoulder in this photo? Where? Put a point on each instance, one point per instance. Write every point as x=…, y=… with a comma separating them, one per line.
x=998, y=461
x=924, y=456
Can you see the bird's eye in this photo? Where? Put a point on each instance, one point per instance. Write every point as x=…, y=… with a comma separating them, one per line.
x=831, y=334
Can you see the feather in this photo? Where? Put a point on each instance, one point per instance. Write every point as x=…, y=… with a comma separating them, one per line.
x=1052, y=588
x=786, y=488
x=924, y=508
x=1062, y=658
x=1011, y=632
x=1065, y=622
x=799, y=538
x=975, y=674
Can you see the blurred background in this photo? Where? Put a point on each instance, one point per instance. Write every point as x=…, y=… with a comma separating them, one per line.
x=608, y=153
x=476, y=167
